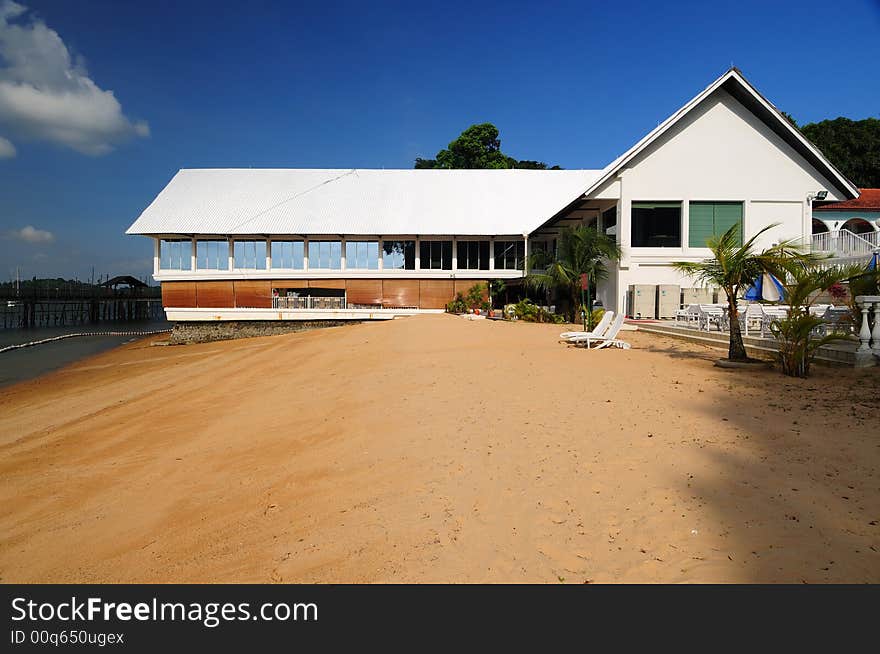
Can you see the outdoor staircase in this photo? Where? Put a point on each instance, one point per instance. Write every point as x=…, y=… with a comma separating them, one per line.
x=844, y=246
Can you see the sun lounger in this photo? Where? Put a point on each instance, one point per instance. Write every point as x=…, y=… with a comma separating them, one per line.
x=609, y=339
x=598, y=330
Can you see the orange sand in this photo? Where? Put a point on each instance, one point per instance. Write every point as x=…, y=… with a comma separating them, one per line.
x=437, y=449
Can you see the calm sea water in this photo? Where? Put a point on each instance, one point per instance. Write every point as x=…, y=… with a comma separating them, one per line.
x=30, y=362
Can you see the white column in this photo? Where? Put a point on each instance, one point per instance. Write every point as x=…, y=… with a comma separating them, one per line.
x=342, y=262
x=419, y=253
x=685, y=224
x=305, y=254
x=192, y=265
x=875, y=333
x=381, y=263
x=624, y=225
x=865, y=331
x=156, y=256
x=492, y=253
x=268, y=254
x=525, y=270
x=230, y=265
x=454, y=253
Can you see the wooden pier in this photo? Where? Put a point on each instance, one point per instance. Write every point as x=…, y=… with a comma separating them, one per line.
x=77, y=305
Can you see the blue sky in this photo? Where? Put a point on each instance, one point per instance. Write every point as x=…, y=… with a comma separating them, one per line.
x=273, y=84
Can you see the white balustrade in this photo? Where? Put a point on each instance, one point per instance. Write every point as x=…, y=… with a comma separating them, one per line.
x=869, y=337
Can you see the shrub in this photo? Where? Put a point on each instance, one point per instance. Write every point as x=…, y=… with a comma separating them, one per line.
x=528, y=311
x=475, y=296
x=458, y=305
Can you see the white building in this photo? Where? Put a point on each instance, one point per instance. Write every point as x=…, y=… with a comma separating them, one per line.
x=230, y=243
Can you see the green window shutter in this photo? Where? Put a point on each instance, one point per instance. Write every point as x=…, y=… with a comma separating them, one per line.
x=707, y=219
x=726, y=215
x=701, y=223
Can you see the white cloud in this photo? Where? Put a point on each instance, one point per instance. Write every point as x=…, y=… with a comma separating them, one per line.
x=45, y=94
x=7, y=150
x=30, y=234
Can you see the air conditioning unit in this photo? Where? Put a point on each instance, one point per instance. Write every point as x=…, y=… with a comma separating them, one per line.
x=641, y=301
x=668, y=300
x=701, y=295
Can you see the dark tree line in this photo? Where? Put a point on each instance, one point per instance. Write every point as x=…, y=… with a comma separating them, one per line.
x=851, y=145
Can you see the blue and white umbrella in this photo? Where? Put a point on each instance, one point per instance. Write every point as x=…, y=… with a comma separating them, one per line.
x=766, y=288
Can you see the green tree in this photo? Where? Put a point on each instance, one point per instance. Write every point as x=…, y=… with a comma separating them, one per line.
x=796, y=332
x=477, y=147
x=851, y=145
x=581, y=251
x=734, y=268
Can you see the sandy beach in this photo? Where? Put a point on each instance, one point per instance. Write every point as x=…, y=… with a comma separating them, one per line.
x=435, y=449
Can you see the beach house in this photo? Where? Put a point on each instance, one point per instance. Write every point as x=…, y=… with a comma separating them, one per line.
x=303, y=244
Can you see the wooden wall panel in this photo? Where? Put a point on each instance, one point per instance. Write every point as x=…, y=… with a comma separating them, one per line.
x=364, y=291
x=254, y=294
x=289, y=283
x=400, y=292
x=462, y=286
x=327, y=283
x=435, y=293
x=214, y=294
x=178, y=294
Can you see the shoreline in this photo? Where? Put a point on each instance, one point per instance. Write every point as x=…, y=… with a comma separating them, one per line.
x=25, y=363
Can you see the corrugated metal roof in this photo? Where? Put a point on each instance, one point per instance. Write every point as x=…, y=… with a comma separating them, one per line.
x=357, y=201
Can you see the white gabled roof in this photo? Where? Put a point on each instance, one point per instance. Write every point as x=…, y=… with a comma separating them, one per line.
x=734, y=81
x=357, y=201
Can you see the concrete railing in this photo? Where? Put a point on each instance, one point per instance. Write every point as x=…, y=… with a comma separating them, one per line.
x=869, y=337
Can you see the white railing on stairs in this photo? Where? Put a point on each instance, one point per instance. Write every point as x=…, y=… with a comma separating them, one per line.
x=844, y=243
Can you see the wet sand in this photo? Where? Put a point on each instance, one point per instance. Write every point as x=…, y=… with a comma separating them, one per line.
x=437, y=449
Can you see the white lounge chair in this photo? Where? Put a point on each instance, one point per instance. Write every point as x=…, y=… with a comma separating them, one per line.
x=609, y=339
x=598, y=330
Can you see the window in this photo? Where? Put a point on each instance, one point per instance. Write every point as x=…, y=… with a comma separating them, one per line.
x=175, y=255
x=656, y=224
x=543, y=251
x=399, y=255
x=609, y=221
x=249, y=254
x=509, y=255
x=288, y=254
x=362, y=254
x=435, y=255
x=325, y=254
x=212, y=255
x=473, y=255
x=708, y=219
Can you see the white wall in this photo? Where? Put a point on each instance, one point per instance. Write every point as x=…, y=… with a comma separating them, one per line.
x=719, y=151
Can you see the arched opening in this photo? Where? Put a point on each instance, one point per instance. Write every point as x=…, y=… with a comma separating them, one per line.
x=819, y=227
x=858, y=226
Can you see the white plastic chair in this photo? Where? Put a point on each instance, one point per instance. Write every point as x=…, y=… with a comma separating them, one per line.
x=609, y=339
x=598, y=330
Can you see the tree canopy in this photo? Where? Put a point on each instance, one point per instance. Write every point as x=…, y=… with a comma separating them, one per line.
x=478, y=147
x=851, y=145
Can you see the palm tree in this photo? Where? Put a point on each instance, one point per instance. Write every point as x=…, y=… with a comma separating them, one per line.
x=734, y=267
x=796, y=332
x=581, y=251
